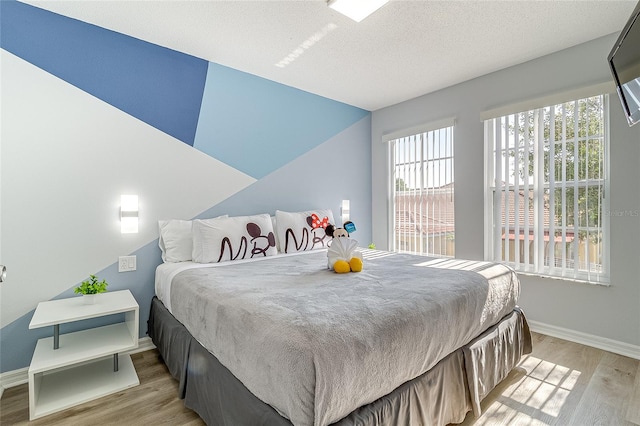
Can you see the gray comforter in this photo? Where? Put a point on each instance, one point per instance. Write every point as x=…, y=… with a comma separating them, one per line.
x=316, y=345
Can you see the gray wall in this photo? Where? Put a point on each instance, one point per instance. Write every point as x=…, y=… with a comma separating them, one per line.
x=611, y=312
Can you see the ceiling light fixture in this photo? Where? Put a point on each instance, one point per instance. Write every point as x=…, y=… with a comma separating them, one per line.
x=356, y=9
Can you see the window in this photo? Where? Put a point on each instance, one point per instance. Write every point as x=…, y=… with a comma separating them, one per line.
x=422, y=189
x=546, y=199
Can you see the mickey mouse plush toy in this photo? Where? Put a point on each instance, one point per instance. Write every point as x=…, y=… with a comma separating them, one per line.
x=342, y=254
x=334, y=232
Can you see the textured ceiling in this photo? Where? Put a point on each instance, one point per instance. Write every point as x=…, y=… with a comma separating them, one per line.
x=405, y=49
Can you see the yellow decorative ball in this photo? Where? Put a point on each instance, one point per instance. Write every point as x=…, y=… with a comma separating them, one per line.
x=355, y=264
x=341, y=267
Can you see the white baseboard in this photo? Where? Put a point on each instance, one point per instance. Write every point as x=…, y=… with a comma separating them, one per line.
x=620, y=348
x=13, y=378
x=144, y=344
x=20, y=376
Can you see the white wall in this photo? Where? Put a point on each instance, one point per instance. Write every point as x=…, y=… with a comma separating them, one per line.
x=611, y=312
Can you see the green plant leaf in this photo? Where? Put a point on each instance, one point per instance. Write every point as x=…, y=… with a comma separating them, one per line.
x=91, y=286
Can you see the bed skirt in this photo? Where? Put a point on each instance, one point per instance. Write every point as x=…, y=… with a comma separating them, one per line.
x=442, y=395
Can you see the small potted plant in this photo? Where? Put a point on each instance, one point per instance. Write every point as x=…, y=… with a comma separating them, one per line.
x=89, y=288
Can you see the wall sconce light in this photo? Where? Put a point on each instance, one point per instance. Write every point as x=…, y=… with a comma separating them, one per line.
x=128, y=214
x=344, y=210
x=356, y=9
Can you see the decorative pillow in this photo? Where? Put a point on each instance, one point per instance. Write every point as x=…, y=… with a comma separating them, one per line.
x=176, y=240
x=232, y=238
x=273, y=223
x=303, y=231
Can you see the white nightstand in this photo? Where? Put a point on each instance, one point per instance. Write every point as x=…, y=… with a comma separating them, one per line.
x=85, y=364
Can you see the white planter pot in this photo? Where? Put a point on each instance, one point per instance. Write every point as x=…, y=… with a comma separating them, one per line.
x=88, y=299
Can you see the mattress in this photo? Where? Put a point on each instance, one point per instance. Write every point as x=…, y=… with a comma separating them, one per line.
x=316, y=345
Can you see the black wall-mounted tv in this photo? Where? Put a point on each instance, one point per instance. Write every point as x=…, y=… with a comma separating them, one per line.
x=624, y=61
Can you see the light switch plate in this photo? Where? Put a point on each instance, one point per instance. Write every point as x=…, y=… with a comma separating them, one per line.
x=126, y=263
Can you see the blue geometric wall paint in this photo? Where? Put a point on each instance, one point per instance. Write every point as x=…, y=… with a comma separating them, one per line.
x=16, y=339
x=257, y=125
x=282, y=136
x=303, y=192
x=156, y=85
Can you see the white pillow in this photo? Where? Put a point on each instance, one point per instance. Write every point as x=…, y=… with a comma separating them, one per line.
x=273, y=223
x=232, y=238
x=176, y=240
x=301, y=231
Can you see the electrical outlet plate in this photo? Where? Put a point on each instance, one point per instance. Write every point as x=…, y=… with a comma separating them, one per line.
x=126, y=263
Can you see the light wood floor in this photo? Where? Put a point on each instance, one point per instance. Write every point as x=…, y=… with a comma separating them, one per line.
x=560, y=383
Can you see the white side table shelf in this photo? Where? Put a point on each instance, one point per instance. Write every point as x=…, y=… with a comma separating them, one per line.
x=85, y=364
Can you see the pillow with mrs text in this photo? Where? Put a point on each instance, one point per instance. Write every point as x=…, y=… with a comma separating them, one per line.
x=303, y=231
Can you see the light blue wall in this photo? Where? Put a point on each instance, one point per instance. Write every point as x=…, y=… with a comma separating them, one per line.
x=257, y=126
x=297, y=150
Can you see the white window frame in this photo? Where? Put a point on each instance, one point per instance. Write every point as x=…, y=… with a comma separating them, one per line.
x=389, y=140
x=538, y=268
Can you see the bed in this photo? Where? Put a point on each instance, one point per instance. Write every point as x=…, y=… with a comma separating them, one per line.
x=283, y=340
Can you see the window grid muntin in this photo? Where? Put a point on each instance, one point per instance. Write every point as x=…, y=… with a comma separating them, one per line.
x=501, y=145
x=429, y=158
